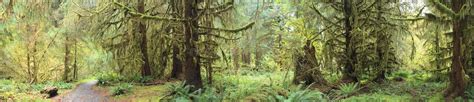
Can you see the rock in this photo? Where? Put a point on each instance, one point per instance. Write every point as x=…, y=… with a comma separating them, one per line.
x=50, y=92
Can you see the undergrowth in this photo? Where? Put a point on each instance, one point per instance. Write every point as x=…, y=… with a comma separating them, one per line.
x=122, y=88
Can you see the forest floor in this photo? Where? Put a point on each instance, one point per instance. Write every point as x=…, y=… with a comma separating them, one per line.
x=84, y=92
x=259, y=86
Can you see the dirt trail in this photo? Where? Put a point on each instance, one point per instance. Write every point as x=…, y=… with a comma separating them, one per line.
x=83, y=93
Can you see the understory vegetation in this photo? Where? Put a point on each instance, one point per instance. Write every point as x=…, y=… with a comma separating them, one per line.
x=237, y=50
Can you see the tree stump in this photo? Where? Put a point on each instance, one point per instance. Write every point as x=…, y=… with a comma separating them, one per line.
x=306, y=68
x=50, y=92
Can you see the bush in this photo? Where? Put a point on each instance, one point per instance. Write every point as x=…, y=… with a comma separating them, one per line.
x=108, y=78
x=298, y=94
x=122, y=89
x=60, y=85
x=377, y=97
x=6, y=85
x=470, y=91
x=182, y=93
x=401, y=74
x=141, y=79
x=347, y=89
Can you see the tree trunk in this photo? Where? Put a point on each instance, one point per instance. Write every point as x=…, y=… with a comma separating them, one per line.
x=145, y=71
x=236, y=57
x=307, y=70
x=191, y=56
x=67, y=53
x=457, y=84
x=177, y=71
x=74, y=66
x=381, y=48
x=349, y=74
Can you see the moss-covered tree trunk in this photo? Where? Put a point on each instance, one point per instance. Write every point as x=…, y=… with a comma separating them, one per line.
x=67, y=55
x=349, y=74
x=141, y=31
x=177, y=70
x=457, y=84
x=192, y=61
x=307, y=70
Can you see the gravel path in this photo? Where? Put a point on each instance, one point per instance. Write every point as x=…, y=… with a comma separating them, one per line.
x=84, y=93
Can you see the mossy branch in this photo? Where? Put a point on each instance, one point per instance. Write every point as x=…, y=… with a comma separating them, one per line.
x=145, y=16
x=444, y=9
x=324, y=18
x=229, y=30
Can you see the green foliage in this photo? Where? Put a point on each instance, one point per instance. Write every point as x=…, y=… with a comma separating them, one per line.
x=209, y=95
x=377, y=97
x=470, y=92
x=297, y=94
x=108, y=78
x=347, y=89
x=57, y=84
x=180, y=92
x=401, y=74
x=60, y=84
x=141, y=79
x=121, y=89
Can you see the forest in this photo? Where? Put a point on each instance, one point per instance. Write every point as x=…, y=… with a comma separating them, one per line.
x=237, y=50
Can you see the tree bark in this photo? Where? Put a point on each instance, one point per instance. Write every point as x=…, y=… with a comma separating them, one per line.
x=236, y=58
x=67, y=53
x=349, y=74
x=191, y=56
x=307, y=70
x=381, y=48
x=457, y=84
x=177, y=71
x=146, y=70
x=74, y=66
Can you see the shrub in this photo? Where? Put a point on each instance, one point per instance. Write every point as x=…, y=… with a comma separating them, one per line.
x=401, y=74
x=108, y=78
x=298, y=94
x=378, y=97
x=60, y=85
x=347, y=89
x=6, y=85
x=122, y=89
x=182, y=93
x=179, y=90
x=470, y=91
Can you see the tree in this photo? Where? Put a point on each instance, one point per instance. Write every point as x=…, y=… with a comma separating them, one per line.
x=457, y=83
x=141, y=30
x=192, y=68
x=191, y=30
x=350, y=51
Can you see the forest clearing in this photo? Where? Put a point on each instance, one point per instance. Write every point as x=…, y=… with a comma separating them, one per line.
x=236, y=50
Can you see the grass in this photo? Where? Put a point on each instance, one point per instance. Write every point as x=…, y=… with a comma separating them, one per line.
x=258, y=86
x=17, y=91
x=274, y=87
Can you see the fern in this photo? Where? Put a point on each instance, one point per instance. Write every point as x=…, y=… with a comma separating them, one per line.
x=470, y=92
x=298, y=95
x=348, y=89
